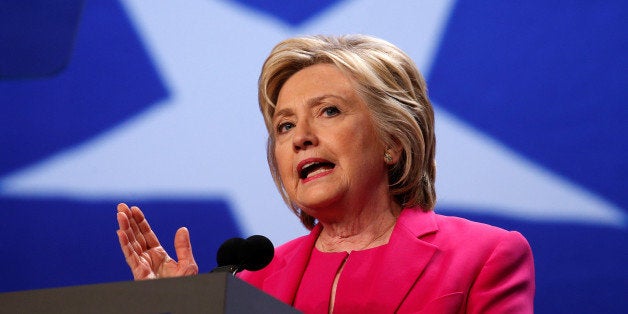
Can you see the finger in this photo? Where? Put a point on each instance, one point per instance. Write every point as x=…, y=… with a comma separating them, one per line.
x=183, y=249
x=131, y=256
x=136, y=218
x=123, y=216
x=123, y=221
x=125, y=226
x=124, y=208
x=148, y=237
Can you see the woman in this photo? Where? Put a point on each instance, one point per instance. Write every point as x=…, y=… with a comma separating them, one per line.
x=351, y=149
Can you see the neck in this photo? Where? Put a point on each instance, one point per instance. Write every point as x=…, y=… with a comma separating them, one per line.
x=366, y=229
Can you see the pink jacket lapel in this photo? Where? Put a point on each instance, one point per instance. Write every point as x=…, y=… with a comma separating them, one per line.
x=285, y=283
x=404, y=259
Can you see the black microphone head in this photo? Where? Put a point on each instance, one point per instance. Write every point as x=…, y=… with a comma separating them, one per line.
x=258, y=252
x=230, y=252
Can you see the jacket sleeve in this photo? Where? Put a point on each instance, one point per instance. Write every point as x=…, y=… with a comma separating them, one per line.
x=505, y=283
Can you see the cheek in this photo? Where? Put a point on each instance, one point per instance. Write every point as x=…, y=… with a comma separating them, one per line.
x=364, y=141
x=284, y=164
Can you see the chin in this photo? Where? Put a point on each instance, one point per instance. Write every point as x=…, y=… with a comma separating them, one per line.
x=319, y=201
x=320, y=194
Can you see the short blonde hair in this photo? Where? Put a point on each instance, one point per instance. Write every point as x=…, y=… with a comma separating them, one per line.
x=394, y=91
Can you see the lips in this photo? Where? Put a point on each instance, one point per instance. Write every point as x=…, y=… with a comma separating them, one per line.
x=311, y=167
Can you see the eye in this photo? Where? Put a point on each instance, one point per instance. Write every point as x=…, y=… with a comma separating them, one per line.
x=331, y=111
x=284, y=127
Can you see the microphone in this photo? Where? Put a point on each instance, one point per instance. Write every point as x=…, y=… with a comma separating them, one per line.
x=237, y=254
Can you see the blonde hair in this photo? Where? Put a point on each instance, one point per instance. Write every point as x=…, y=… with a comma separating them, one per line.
x=394, y=91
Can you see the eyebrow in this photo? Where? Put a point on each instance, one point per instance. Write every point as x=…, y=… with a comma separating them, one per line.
x=310, y=103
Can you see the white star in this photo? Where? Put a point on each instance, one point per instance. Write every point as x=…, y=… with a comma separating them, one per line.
x=207, y=140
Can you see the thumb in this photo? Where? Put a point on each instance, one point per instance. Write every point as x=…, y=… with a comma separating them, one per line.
x=183, y=249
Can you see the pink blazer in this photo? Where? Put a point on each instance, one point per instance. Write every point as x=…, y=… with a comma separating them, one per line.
x=432, y=264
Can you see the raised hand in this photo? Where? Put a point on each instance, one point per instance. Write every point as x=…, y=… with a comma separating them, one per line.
x=144, y=255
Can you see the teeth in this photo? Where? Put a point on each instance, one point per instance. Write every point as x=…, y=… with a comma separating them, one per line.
x=316, y=172
x=309, y=169
x=303, y=174
x=309, y=165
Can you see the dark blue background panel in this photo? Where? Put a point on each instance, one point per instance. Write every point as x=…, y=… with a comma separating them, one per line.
x=56, y=242
x=579, y=268
x=36, y=36
x=548, y=79
x=110, y=79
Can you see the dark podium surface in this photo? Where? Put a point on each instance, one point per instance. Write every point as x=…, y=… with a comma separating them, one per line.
x=206, y=293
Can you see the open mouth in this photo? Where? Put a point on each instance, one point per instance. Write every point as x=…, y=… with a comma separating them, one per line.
x=313, y=168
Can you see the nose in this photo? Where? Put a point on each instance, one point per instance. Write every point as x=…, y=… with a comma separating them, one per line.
x=304, y=136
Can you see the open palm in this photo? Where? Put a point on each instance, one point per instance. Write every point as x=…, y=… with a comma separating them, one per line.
x=143, y=252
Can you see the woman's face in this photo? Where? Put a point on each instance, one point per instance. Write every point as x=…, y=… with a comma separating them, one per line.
x=326, y=145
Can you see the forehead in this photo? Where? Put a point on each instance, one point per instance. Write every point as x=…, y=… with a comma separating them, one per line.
x=314, y=82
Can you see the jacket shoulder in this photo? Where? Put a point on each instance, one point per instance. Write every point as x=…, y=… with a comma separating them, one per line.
x=465, y=239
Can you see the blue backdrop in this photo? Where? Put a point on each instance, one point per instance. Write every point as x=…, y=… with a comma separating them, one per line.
x=157, y=107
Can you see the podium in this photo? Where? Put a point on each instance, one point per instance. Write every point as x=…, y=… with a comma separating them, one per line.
x=205, y=293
